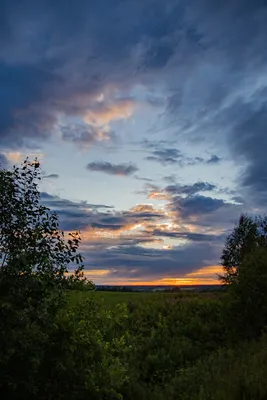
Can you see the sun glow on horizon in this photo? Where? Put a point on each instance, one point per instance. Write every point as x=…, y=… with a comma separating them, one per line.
x=203, y=276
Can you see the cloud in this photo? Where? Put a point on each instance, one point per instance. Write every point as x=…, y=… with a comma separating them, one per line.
x=20, y=85
x=18, y=157
x=214, y=160
x=85, y=67
x=101, y=219
x=217, y=102
x=166, y=156
x=191, y=236
x=248, y=141
x=140, y=263
x=72, y=215
x=168, y=192
x=147, y=242
x=112, y=169
x=141, y=178
x=170, y=156
x=103, y=114
x=238, y=199
x=86, y=135
x=51, y=176
x=51, y=72
x=195, y=205
x=70, y=73
x=190, y=189
x=3, y=161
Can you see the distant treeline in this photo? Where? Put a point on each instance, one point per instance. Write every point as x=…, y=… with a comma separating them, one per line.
x=164, y=289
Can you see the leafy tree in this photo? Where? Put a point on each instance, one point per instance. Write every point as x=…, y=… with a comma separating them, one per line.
x=250, y=293
x=244, y=261
x=35, y=258
x=31, y=242
x=239, y=243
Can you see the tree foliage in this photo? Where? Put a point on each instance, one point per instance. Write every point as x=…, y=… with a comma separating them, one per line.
x=247, y=235
x=31, y=242
x=35, y=257
x=244, y=260
x=250, y=293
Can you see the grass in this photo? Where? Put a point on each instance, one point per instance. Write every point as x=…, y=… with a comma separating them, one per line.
x=110, y=299
x=185, y=352
x=232, y=374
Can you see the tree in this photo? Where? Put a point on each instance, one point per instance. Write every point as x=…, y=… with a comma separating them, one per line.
x=31, y=242
x=244, y=260
x=244, y=238
x=250, y=293
x=34, y=260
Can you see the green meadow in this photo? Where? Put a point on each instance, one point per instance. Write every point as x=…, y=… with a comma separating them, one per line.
x=180, y=346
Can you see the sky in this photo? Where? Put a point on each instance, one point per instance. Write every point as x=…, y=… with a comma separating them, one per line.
x=149, y=119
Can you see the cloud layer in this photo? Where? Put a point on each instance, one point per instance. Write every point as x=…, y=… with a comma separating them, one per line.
x=189, y=77
x=148, y=242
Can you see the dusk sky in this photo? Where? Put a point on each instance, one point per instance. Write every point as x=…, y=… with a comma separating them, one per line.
x=149, y=118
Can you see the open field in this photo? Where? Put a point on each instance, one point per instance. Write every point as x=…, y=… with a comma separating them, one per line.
x=110, y=299
x=189, y=350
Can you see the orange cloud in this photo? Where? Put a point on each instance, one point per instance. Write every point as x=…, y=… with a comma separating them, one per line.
x=155, y=195
x=205, y=275
x=17, y=157
x=144, y=208
x=104, y=114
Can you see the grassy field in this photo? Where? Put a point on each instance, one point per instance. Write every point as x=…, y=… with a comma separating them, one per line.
x=188, y=350
x=109, y=299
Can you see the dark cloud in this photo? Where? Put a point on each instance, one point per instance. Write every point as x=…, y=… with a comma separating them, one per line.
x=169, y=178
x=55, y=60
x=57, y=202
x=51, y=176
x=214, y=160
x=72, y=215
x=219, y=101
x=112, y=169
x=80, y=215
x=171, y=156
x=166, y=156
x=22, y=87
x=194, y=237
x=238, y=199
x=86, y=134
x=190, y=189
x=248, y=140
x=141, y=178
x=195, y=205
x=139, y=263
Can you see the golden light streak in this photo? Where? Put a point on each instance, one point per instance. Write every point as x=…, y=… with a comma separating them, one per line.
x=205, y=271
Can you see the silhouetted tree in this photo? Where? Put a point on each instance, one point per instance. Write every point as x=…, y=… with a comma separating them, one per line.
x=239, y=243
x=250, y=293
x=34, y=259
